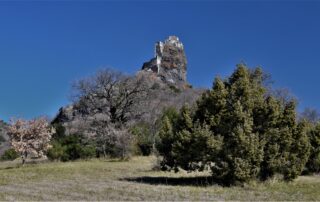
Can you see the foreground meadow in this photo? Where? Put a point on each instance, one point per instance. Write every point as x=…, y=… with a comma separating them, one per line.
x=135, y=180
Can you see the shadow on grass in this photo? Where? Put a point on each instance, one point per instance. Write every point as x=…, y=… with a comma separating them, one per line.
x=9, y=167
x=176, y=181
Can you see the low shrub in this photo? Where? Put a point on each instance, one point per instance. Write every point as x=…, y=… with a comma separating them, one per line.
x=9, y=155
x=57, y=152
x=71, y=147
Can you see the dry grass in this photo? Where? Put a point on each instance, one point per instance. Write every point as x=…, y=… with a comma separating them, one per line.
x=135, y=180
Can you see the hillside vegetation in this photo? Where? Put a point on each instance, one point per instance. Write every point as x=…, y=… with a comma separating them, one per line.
x=135, y=180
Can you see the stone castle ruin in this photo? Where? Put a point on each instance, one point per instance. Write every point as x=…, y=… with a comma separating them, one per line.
x=169, y=63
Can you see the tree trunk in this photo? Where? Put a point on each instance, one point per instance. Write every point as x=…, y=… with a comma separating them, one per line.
x=24, y=158
x=104, y=151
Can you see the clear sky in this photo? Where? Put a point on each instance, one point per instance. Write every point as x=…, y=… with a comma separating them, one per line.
x=44, y=46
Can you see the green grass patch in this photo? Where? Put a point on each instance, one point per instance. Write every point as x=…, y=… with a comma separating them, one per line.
x=135, y=180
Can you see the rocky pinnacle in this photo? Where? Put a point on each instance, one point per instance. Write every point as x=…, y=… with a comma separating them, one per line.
x=169, y=63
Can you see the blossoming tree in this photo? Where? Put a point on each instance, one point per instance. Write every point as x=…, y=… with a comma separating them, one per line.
x=30, y=137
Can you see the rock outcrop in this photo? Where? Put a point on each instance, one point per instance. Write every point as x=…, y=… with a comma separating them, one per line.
x=65, y=114
x=169, y=64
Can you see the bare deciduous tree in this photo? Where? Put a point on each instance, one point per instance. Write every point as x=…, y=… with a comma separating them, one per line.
x=284, y=95
x=30, y=137
x=108, y=102
x=112, y=93
x=311, y=115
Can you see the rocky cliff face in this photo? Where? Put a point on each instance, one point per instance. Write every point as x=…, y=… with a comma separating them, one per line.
x=169, y=64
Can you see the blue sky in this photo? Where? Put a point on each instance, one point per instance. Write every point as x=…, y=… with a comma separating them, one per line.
x=44, y=46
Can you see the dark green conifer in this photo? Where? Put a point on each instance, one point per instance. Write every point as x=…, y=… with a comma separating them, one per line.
x=313, y=164
x=239, y=131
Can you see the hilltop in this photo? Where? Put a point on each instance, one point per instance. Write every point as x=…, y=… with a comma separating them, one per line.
x=169, y=64
x=164, y=78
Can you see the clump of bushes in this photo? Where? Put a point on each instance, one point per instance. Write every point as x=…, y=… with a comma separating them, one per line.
x=70, y=147
x=57, y=152
x=174, y=89
x=143, y=139
x=238, y=130
x=9, y=155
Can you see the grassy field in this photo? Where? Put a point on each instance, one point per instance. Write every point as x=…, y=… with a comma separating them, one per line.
x=135, y=180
